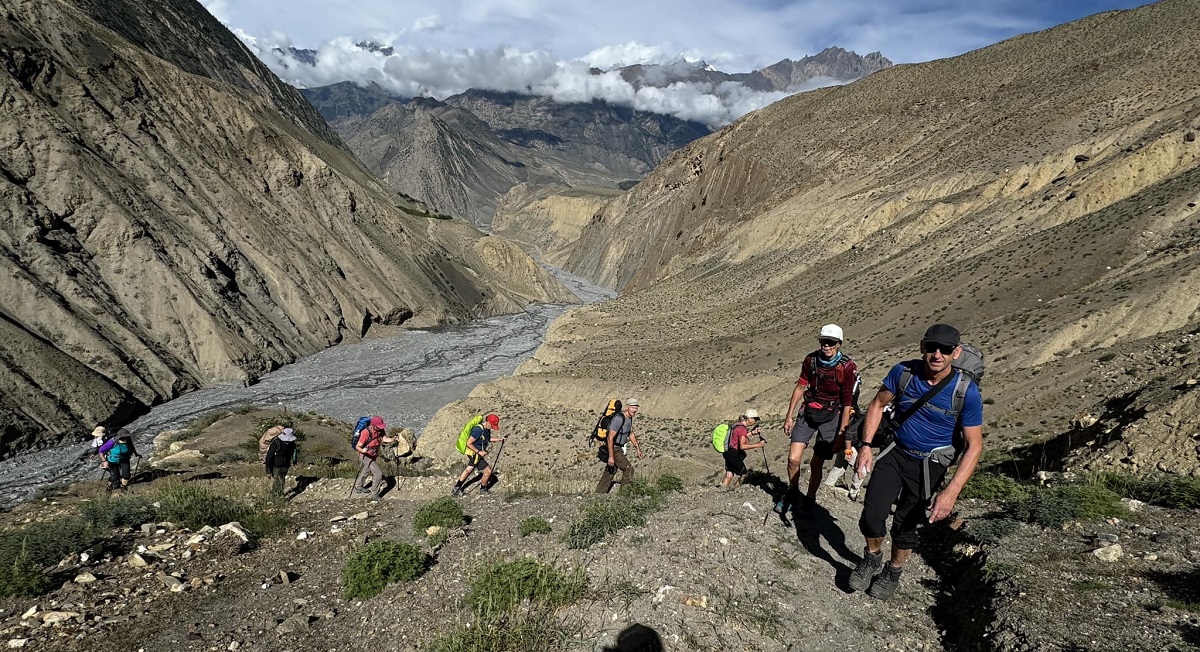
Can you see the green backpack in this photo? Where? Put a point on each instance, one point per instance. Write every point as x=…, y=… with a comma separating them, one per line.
x=465, y=434
x=720, y=437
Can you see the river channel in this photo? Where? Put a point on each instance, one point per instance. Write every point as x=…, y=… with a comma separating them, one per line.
x=405, y=378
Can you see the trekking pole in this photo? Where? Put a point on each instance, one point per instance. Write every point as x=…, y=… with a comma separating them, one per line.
x=136, y=465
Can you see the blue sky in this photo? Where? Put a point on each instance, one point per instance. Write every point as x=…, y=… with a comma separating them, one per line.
x=448, y=45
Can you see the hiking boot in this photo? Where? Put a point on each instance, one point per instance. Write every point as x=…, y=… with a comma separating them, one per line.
x=485, y=490
x=866, y=570
x=361, y=490
x=457, y=492
x=375, y=497
x=885, y=582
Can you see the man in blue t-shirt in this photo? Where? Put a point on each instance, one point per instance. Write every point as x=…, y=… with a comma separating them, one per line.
x=923, y=450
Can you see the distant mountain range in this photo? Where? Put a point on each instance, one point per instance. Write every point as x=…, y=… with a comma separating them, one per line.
x=460, y=155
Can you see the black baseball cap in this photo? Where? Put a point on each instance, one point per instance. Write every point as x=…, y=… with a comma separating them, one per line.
x=942, y=334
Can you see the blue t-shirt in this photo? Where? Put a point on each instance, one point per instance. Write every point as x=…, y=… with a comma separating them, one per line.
x=928, y=428
x=482, y=437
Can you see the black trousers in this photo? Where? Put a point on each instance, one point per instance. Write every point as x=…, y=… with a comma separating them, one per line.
x=118, y=471
x=897, y=480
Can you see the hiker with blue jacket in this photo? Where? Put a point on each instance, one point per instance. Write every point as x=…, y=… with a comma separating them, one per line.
x=938, y=412
x=477, y=449
x=114, y=456
x=282, y=453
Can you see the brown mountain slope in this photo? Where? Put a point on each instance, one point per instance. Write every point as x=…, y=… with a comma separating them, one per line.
x=1040, y=193
x=173, y=215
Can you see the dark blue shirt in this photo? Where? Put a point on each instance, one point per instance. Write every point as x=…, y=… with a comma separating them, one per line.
x=482, y=438
x=929, y=428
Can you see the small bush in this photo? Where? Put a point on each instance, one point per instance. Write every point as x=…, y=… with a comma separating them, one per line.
x=195, y=505
x=991, y=530
x=1165, y=491
x=108, y=513
x=380, y=563
x=668, y=482
x=601, y=518
x=522, y=631
x=444, y=512
x=992, y=486
x=534, y=525
x=1056, y=505
x=504, y=585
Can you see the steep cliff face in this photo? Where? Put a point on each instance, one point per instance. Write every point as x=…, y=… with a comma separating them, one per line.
x=1041, y=194
x=172, y=215
x=460, y=156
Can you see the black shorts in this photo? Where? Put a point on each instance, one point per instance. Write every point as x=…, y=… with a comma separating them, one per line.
x=478, y=461
x=735, y=461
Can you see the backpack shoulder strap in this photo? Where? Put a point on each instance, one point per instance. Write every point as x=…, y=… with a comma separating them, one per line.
x=960, y=392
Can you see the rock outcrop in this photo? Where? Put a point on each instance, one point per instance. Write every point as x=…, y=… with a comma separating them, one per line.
x=172, y=215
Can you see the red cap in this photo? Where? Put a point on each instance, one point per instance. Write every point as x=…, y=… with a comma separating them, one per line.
x=377, y=422
x=492, y=420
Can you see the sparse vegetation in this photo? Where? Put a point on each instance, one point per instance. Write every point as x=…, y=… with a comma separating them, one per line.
x=1053, y=506
x=504, y=585
x=1174, y=492
x=444, y=512
x=534, y=525
x=668, y=482
x=194, y=505
x=993, y=486
x=608, y=514
x=380, y=563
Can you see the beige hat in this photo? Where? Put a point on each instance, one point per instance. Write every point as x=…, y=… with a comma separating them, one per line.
x=632, y=401
x=751, y=413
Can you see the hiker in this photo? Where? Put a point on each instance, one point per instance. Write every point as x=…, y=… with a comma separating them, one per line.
x=114, y=456
x=99, y=437
x=825, y=394
x=922, y=448
x=367, y=444
x=739, y=443
x=612, y=451
x=264, y=442
x=477, y=450
x=281, y=455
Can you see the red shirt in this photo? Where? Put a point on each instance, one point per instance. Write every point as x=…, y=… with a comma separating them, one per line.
x=738, y=436
x=828, y=384
x=370, y=439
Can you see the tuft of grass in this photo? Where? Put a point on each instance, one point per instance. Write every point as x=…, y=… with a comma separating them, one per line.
x=1174, y=492
x=522, y=631
x=1054, y=506
x=993, y=486
x=534, y=525
x=608, y=514
x=380, y=563
x=991, y=530
x=27, y=552
x=195, y=505
x=444, y=512
x=504, y=585
x=668, y=482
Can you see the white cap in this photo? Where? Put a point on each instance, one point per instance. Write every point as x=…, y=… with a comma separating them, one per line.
x=751, y=413
x=632, y=402
x=832, y=331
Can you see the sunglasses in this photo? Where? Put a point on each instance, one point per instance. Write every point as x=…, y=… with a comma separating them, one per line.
x=829, y=343
x=944, y=349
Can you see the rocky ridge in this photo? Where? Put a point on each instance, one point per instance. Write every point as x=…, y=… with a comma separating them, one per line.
x=174, y=216
x=1039, y=193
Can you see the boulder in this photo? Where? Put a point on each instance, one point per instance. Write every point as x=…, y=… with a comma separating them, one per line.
x=182, y=458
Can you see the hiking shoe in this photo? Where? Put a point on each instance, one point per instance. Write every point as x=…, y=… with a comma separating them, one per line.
x=361, y=490
x=485, y=490
x=781, y=507
x=885, y=582
x=376, y=497
x=866, y=570
x=457, y=492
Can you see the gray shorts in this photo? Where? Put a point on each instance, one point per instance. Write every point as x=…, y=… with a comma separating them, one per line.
x=803, y=431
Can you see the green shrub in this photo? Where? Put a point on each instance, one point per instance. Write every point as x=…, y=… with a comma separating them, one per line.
x=443, y=512
x=1173, y=492
x=606, y=515
x=991, y=530
x=993, y=486
x=535, y=630
x=194, y=505
x=504, y=585
x=668, y=482
x=378, y=564
x=26, y=552
x=534, y=525
x=1051, y=507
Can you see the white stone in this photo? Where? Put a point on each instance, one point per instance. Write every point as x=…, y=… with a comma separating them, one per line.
x=30, y=613
x=54, y=617
x=361, y=516
x=137, y=561
x=196, y=539
x=85, y=578
x=302, y=536
x=162, y=547
x=17, y=642
x=1108, y=553
x=236, y=530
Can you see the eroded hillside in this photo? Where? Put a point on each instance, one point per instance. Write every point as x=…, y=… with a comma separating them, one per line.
x=1040, y=193
x=174, y=215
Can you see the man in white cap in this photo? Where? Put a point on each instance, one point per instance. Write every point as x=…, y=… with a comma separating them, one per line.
x=620, y=432
x=825, y=390
x=739, y=443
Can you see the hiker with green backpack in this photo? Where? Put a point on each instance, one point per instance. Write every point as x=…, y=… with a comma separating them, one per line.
x=736, y=441
x=473, y=442
x=938, y=415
